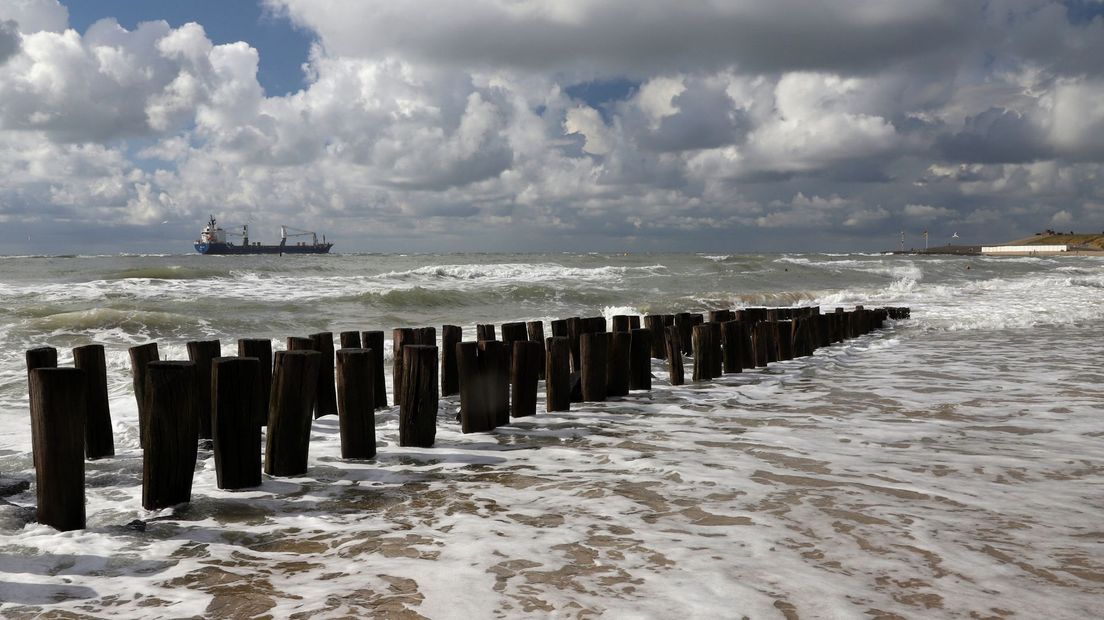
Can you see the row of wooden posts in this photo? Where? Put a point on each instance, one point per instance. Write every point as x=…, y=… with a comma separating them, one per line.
x=229, y=399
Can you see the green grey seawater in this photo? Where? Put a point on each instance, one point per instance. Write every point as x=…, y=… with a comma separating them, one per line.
x=947, y=466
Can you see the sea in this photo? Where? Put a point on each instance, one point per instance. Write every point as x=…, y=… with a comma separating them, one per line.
x=950, y=465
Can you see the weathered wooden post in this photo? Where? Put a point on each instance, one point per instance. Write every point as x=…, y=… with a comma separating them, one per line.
x=298, y=343
x=356, y=403
x=41, y=357
x=557, y=382
x=170, y=456
x=525, y=361
x=634, y=322
x=594, y=357
x=720, y=316
x=619, y=362
x=594, y=324
x=763, y=344
x=785, y=340
x=536, y=334
x=202, y=352
x=484, y=331
x=640, y=359
x=654, y=324
x=716, y=355
x=575, y=329
x=476, y=413
x=621, y=323
x=425, y=335
x=326, y=402
x=674, y=355
x=419, y=396
x=496, y=367
x=57, y=398
x=236, y=390
x=260, y=348
x=294, y=390
x=451, y=335
x=732, y=346
x=349, y=340
x=512, y=332
x=373, y=341
x=99, y=440
x=703, y=351
x=684, y=322
x=400, y=337
x=559, y=328
x=140, y=357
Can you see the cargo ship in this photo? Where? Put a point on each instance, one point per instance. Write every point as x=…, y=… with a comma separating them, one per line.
x=214, y=240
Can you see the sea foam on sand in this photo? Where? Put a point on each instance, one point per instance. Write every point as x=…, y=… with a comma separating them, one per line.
x=912, y=472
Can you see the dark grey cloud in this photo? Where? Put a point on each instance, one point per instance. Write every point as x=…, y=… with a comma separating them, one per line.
x=996, y=136
x=643, y=36
x=9, y=40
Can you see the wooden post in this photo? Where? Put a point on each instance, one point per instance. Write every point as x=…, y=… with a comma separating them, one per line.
x=98, y=439
x=400, y=337
x=202, y=352
x=536, y=334
x=720, y=316
x=373, y=341
x=594, y=357
x=654, y=324
x=747, y=345
x=512, y=332
x=716, y=356
x=684, y=321
x=349, y=340
x=525, y=362
x=595, y=324
x=703, y=351
x=494, y=364
x=294, y=390
x=140, y=357
x=41, y=357
x=260, y=348
x=451, y=335
x=168, y=462
x=640, y=360
x=356, y=403
x=236, y=390
x=575, y=330
x=419, y=397
x=785, y=340
x=764, y=344
x=674, y=355
x=425, y=335
x=557, y=373
x=634, y=322
x=326, y=402
x=732, y=344
x=617, y=366
x=559, y=328
x=57, y=398
x=485, y=331
x=296, y=343
x=476, y=413
x=621, y=323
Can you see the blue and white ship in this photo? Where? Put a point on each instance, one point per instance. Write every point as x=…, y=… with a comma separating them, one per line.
x=213, y=240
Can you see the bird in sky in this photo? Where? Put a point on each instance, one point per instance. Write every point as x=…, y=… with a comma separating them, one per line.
x=954, y=236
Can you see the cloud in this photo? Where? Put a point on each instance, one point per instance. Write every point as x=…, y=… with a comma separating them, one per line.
x=633, y=36
x=113, y=83
x=465, y=126
x=9, y=40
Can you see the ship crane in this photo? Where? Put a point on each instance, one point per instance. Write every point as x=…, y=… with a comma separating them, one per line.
x=284, y=234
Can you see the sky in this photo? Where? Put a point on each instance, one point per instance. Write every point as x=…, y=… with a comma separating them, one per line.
x=574, y=125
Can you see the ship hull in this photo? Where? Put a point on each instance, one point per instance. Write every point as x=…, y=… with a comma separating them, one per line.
x=229, y=248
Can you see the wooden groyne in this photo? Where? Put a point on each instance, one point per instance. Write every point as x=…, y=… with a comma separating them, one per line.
x=229, y=400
